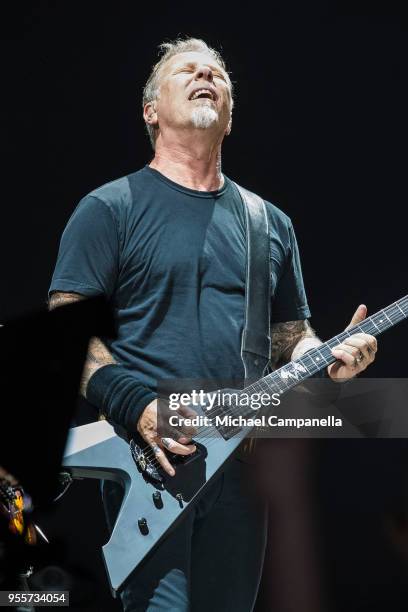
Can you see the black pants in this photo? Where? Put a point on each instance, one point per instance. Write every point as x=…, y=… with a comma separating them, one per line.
x=213, y=559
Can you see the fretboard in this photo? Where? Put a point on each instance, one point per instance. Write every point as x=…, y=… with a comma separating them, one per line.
x=293, y=373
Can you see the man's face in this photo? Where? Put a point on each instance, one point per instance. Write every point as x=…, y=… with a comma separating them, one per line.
x=195, y=92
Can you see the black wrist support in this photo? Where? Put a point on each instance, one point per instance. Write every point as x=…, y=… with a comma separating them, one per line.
x=119, y=395
x=328, y=388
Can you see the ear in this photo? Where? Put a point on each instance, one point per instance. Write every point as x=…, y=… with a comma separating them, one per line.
x=150, y=114
x=228, y=128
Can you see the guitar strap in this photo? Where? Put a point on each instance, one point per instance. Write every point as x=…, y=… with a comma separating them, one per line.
x=256, y=337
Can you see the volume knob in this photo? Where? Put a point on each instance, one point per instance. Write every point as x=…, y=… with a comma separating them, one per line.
x=143, y=526
x=157, y=500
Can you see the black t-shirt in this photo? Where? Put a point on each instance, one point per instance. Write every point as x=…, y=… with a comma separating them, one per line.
x=171, y=260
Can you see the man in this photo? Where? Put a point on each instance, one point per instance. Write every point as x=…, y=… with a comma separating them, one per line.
x=166, y=245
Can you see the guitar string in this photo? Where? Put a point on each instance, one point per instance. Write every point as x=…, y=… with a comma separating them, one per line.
x=210, y=432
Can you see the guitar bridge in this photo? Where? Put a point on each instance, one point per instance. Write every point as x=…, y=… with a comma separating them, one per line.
x=151, y=472
x=144, y=464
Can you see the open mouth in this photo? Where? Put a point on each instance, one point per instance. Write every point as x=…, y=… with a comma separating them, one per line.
x=202, y=94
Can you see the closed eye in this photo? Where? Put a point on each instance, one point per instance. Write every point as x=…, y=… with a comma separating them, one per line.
x=187, y=70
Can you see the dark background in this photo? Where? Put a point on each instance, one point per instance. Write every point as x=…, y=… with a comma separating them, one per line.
x=319, y=128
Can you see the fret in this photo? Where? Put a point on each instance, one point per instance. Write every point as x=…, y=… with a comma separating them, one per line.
x=318, y=361
x=280, y=383
x=265, y=388
x=333, y=342
x=367, y=327
x=394, y=314
x=380, y=321
x=404, y=303
x=265, y=385
x=400, y=309
x=385, y=315
x=385, y=321
x=312, y=366
x=317, y=349
x=324, y=350
x=304, y=364
x=277, y=384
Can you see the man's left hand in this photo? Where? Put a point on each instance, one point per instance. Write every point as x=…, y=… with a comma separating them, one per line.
x=356, y=352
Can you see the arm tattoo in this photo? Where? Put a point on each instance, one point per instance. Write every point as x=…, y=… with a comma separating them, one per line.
x=288, y=336
x=98, y=355
x=59, y=298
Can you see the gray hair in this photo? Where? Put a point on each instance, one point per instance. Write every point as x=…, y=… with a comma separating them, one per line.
x=168, y=50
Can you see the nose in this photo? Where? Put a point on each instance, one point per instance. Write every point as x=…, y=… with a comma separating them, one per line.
x=204, y=72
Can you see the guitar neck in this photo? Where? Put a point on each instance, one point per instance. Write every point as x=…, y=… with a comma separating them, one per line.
x=294, y=372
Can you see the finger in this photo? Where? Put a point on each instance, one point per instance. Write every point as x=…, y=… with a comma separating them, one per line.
x=177, y=448
x=334, y=369
x=358, y=316
x=187, y=430
x=162, y=459
x=346, y=356
x=179, y=434
x=370, y=340
x=186, y=413
x=353, y=350
x=362, y=345
x=171, y=425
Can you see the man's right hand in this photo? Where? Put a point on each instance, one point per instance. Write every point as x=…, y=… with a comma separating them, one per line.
x=147, y=428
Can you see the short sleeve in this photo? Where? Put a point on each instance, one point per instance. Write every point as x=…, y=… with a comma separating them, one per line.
x=88, y=255
x=289, y=302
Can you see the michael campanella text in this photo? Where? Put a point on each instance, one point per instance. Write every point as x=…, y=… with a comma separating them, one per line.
x=262, y=421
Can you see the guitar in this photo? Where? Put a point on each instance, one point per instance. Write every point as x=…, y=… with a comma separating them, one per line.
x=152, y=504
x=16, y=507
